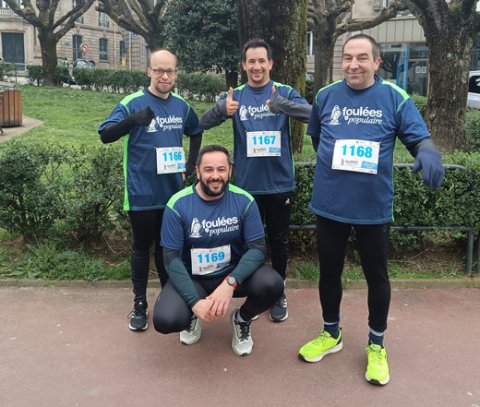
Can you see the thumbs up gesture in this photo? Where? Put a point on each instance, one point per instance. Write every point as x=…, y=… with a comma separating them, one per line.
x=230, y=104
x=274, y=90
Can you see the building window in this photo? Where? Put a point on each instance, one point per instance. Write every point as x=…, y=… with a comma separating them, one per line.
x=3, y=4
x=77, y=52
x=309, y=43
x=102, y=19
x=79, y=19
x=122, y=53
x=13, y=49
x=103, y=47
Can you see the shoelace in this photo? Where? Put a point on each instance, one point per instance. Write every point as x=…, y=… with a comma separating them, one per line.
x=283, y=302
x=192, y=325
x=375, y=352
x=138, y=310
x=322, y=338
x=244, y=330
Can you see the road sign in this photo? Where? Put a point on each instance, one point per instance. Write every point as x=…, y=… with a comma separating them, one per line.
x=84, y=47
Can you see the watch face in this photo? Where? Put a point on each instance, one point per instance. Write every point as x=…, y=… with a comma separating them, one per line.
x=231, y=280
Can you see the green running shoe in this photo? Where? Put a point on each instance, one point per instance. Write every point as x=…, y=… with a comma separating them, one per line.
x=315, y=350
x=377, y=365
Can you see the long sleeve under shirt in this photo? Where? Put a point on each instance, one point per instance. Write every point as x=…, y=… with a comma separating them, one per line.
x=262, y=141
x=210, y=235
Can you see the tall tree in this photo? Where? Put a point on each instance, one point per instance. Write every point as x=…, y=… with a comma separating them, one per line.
x=204, y=36
x=450, y=29
x=142, y=17
x=286, y=31
x=327, y=19
x=50, y=31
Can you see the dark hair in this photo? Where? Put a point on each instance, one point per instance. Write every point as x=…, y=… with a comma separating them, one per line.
x=371, y=40
x=256, y=43
x=213, y=148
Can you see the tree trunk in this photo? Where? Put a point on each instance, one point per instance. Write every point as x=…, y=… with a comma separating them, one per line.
x=449, y=61
x=231, y=78
x=154, y=41
x=285, y=30
x=324, y=41
x=48, y=47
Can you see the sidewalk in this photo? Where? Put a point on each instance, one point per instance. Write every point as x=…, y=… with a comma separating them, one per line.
x=70, y=346
x=28, y=123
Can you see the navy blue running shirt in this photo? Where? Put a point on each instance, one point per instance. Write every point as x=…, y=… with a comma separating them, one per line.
x=144, y=188
x=380, y=114
x=263, y=175
x=190, y=222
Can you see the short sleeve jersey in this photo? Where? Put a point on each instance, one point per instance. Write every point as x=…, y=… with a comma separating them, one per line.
x=144, y=188
x=380, y=113
x=269, y=174
x=190, y=222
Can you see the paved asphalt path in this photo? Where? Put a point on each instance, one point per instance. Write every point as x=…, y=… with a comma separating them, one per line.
x=71, y=346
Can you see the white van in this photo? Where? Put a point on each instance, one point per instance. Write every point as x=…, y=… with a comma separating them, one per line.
x=474, y=90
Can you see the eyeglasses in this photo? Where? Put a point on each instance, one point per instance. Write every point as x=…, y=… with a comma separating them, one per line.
x=161, y=72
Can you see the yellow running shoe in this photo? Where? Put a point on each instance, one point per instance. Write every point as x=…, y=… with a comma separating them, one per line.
x=377, y=365
x=315, y=350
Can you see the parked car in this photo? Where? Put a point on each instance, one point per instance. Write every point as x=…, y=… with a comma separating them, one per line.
x=473, y=99
x=83, y=63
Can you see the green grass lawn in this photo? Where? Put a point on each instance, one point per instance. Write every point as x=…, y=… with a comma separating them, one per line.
x=71, y=117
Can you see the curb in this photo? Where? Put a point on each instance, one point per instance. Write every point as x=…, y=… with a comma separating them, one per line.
x=467, y=282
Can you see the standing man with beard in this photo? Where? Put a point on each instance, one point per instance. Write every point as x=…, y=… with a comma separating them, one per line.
x=260, y=111
x=214, y=250
x=153, y=121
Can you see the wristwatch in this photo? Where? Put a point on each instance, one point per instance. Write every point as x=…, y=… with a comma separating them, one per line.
x=232, y=281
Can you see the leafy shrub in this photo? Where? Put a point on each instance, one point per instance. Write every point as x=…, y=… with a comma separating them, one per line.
x=200, y=86
x=30, y=188
x=60, y=192
x=472, y=130
x=457, y=203
x=94, y=200
x=35, y=74
x=309, y=90
x=6, y=69
x=85, y=77
x=61, y=75
x=420, y=102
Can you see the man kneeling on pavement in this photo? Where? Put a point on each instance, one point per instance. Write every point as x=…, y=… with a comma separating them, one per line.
x=214, y=249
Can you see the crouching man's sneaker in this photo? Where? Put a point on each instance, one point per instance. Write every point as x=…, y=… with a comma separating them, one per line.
x=193, y=333
x=377, y=365
x=279, y=310
x=242, y=342
x=315, y=350
x=138, y=316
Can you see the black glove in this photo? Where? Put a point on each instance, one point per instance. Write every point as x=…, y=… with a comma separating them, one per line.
x=429, y=160
x=142, y=117
x=115, y=131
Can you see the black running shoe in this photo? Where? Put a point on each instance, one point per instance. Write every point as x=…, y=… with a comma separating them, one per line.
x=279, y=311
x=138, y=316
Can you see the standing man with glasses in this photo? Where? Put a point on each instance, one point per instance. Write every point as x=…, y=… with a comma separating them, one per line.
x=260, y=111
x=153, y=121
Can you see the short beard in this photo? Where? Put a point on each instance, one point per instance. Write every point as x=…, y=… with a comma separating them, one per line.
x=207, y=191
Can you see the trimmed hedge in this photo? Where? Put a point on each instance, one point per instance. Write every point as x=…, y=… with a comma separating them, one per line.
x=199, y=86
x=77, y=194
